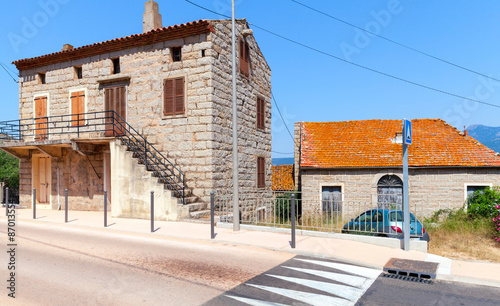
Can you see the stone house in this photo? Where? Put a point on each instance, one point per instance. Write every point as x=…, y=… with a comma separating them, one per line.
x=361, y=162
x=146, y=112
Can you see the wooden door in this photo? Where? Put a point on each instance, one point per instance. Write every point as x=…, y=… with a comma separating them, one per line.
x=115, y=100
x=41, y=119
x=78, y=108
x=41, y=179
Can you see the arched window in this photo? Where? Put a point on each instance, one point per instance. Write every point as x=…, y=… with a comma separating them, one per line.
x=390, y=192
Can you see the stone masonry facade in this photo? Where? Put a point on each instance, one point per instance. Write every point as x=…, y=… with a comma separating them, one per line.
x=430, y=189
x=199, y=142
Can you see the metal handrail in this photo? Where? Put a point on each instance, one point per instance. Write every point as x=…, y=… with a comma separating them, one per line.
x=109, y=122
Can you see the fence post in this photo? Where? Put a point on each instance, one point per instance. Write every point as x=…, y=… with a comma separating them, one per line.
x=293, y=221
x=34, y=203
x=152, y=211
x=6, y=201
x=66, y=205
x=212, y=218
x=105, y=208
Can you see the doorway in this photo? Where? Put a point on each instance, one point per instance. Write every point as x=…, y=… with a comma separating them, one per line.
x=115, y=100
x=42, y=178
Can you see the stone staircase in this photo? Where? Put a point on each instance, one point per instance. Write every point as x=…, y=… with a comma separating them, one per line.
x=192, y=208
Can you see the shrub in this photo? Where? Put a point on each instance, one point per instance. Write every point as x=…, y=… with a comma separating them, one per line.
x=9, y=170
x=496, y=223
x=482, y=203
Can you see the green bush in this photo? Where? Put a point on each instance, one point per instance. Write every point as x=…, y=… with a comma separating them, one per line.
x=482, y=202
x=9, y=170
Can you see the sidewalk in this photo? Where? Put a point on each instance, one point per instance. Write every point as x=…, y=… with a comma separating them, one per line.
x=350, y=251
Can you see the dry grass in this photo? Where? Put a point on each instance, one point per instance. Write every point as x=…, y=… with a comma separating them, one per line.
x=458, y=237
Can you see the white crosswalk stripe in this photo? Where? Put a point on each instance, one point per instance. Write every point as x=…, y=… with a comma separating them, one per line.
x=306, y=280
x=346, y=292
x=306, y=297
x=253, y=302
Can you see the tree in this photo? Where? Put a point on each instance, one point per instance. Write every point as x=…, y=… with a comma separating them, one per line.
x=9, y=170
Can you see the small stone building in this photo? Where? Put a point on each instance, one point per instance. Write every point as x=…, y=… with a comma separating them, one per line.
x=146, y=112
x=355, y=162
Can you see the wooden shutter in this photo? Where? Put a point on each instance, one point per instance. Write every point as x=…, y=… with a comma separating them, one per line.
x=173, y=97
x=244, y=58
x=260, y=114
x=115, y=100
x=261, y=172
x=41, y=118
x=77, y=108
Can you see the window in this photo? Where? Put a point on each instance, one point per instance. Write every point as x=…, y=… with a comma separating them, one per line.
x=78, y=108
x=244, y=58
x=261, y=124
x=474, y=188
x=173, y=97
x=115, y=105
x=331, y=198
x=177, y=54
x=203, y=53
x=41, y=78
x=390, y=192
x=78, y=72
x=261, y=172
x=41, y=120
x=116, y=65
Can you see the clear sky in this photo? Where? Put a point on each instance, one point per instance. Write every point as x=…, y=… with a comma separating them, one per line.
x=307, y=85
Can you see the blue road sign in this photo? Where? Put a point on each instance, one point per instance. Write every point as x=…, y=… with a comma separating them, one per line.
x=407, y=131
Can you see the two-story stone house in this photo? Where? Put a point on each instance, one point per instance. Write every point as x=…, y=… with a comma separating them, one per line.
x=146, y=112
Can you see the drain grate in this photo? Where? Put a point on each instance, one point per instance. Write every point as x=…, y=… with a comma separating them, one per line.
x=411, y=268
x=408, y=278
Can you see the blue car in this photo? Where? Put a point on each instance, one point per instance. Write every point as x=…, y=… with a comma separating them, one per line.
x=385, y=223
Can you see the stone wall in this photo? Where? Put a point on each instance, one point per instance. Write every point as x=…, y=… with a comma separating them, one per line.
x=430, y=189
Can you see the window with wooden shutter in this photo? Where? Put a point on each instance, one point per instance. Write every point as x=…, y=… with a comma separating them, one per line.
x=78, y=108
x=173, y=97
x=261, y=123
x=244, y=58
x=41, y=118
x=115, y=99
x=261, y=172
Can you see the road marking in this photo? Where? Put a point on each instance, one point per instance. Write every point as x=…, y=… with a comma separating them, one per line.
x=350, y=280
x=254, y=302
x=309, y=298
x=346, y=292
x=361, y=271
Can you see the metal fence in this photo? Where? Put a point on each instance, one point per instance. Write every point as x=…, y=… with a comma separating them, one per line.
x=13, y=195
x=273, y=209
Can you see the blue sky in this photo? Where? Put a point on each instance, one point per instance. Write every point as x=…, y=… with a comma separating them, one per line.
x=307, y=85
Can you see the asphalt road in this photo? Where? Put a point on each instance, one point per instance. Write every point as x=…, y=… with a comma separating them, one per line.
x=61, y=265
x=76, y=266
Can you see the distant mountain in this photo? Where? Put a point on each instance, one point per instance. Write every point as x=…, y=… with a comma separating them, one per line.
x=487, y=135
x=282, y=161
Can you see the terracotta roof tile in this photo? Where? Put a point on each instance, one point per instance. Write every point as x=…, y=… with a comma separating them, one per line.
x=283, y=177
x=151, y=37
x=370, y=143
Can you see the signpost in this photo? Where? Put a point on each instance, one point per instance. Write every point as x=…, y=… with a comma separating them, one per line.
x=407, y=133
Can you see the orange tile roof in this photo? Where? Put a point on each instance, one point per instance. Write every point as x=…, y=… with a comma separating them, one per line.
x=283, y=177
x=151, y=37
x=369, y=143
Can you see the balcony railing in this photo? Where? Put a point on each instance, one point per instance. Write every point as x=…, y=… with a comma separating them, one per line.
x=96, y=125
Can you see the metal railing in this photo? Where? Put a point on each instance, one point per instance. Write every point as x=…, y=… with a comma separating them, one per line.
x=334, y=215
x=91, y=125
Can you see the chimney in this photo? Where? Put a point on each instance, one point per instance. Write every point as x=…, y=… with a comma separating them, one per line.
x=67, y=47
x=466, y=133
x=151, y=17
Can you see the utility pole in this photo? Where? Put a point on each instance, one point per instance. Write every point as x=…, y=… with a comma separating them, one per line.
x=236, y=205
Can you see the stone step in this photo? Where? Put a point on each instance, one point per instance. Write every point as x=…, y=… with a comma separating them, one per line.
x=192, y=206
x=199, y=214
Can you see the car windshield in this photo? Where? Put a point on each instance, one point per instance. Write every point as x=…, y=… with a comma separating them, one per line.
x=398, y=216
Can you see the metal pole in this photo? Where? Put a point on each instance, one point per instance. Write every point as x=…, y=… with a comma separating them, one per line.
x=66, y=205
x=406, y=198
x=293, y=221
x=236, y=205
x=105, y=208
x=34, y=203
x=6, y=201
x=152, y=211
x=212, y=218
